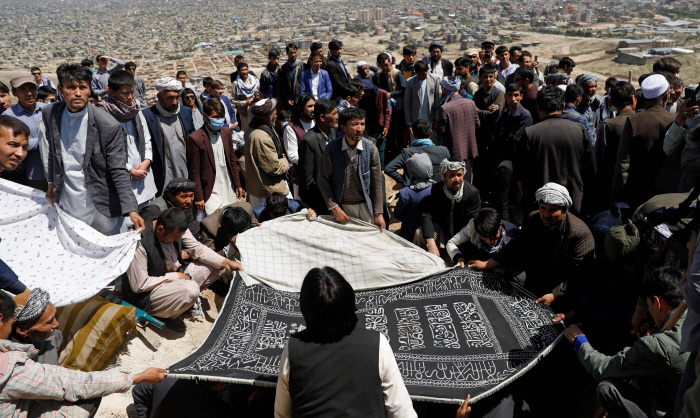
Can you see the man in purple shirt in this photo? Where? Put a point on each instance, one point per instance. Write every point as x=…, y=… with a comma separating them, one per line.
x=28, y=110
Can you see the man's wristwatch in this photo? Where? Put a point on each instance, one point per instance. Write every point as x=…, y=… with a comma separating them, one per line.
x=189, y=275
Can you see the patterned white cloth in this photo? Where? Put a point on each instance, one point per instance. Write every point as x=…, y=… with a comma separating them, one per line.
x=366, y=257
x=50, y=249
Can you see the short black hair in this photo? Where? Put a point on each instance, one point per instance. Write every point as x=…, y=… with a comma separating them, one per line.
x=621, y=94
x=525, y=54
x=667, y=65
x=550, y=99
x=335, y=44
x=315, y=55
x=241, y=65
x=206, y=81
x=573, y=92
x=16, y=126
x=97, y=58
x=285, y=114
x=4, y=88
x=31, y=70
x=315, y=45
x=514, y=87
x=213, y=104
x=323, y=107
x=7, y=307
x=421, y=129
x=130, y=64
x=677, y=83
x=421, y=67
x=409, y=50
x=515, y=48
x=172, y=218
x=60, y=69
x=291, y=45
x=119, y=79
x=216, y=84
x=187, y=91
x=463, y=62
x=75, y=73
x=487, y=69
x=181, y=72
x=327, y=302
x=610, y=82
x=642, y=77
x=235, y=220
x=273, y=53
x=44, y=92
x=382, y=58
x=87, y=63
x=487, y=222
x=566, y=61
x=526, y=72
x=663, y=282
x=501, y=49
x=277, y=204
x=350, y=114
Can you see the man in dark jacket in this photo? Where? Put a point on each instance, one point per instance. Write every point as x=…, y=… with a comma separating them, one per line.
x=439, y=66
x=219, y=229
x=554, y=150
x=289, y=84
x=555, y=250
x=421, y=145
x=449, y=207
x=270, y=74
x=337, y=71
x=178, y=193
x=643, y=169
x=311, y=153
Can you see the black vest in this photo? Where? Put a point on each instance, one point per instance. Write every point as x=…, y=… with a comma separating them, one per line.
x=156, y=266
x=336, y=379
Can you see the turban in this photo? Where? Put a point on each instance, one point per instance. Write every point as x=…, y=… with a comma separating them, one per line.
x=436, y=44
x=558, y=77
x=451, y=85
x=361, y=63
x=586, y=78
x=420, y=171
x=179, y=184
x=654, y=86
x=167, y=83
x=33, y=307
x=262, y=108
x=451, y=165
x=471, y=51
x=553, y=194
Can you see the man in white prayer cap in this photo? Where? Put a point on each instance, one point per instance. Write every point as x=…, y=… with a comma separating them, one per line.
x=642, y=170
x=169, y=125
x=555, y=250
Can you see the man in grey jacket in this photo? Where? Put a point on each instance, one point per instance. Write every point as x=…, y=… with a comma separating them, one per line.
x=422, y=96
x=85, y=157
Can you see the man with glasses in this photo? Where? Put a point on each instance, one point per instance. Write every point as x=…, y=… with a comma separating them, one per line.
x=101, y=76
x=139, y=87
x=41, y=80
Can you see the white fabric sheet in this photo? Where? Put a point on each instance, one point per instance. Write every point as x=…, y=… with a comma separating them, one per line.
x=280, y=252
x=50, y=249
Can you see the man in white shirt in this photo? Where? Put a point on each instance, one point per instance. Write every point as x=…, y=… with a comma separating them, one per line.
x=295, y=131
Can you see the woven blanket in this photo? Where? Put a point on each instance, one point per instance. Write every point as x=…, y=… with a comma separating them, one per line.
x=280, y=252
x=48, y=248
x=456, y=333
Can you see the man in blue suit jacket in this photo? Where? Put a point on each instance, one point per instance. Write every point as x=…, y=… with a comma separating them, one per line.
x=315, y=80
x=169, y=125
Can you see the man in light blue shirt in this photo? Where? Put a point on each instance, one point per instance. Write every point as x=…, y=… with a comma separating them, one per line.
x=28, y=110
x=101, y=76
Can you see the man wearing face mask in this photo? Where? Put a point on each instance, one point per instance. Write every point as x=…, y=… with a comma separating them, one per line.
x=211, y=161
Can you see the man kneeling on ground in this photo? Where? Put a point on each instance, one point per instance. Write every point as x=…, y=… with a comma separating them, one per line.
x=277, y=205
x=31, y=389
x=170, y=267
x=35, y=323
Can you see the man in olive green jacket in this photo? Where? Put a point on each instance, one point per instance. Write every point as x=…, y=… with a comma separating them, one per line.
x=654, y=363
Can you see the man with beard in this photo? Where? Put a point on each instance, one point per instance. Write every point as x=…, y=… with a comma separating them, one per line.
x=169, y=124
x=36, y=324
x=178, y=193
x=463, y=70
x=295, y=131
x=289, y=86
x=351, y=177
x=266, y=164
x=555, y=249
x=119, y=102
x=86, y=160
x=439, y=66
x=591, y=103
x=452, y=203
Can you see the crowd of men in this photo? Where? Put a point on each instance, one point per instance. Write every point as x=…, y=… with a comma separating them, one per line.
x=501, y=167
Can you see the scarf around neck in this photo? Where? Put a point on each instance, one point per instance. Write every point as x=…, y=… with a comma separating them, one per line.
x=454, y=198
x=497, y=247
x=245, y=90
x=165, y=112
x=120, y=111
x=297, y=67
x=425, y=142
x=258, y=123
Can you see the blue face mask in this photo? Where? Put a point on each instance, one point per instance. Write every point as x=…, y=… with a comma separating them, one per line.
x=284, y=124
x=217, y=123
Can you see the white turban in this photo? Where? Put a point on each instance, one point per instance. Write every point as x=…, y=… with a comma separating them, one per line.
x=553, y=194
x=167, y=83
x=453, y=85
